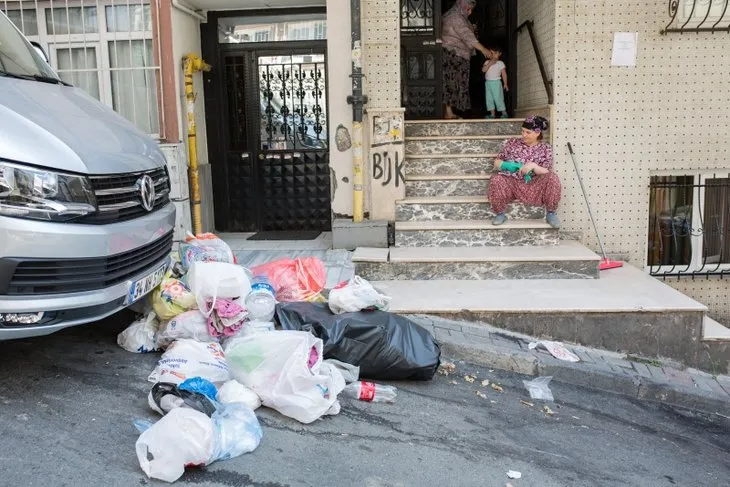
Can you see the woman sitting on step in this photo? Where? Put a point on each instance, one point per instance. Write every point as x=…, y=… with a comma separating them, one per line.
x=525, y=174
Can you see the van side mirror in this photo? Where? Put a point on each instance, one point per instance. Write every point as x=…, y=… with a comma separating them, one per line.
x=39, y=49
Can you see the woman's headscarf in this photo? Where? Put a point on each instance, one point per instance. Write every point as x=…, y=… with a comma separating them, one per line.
x=461, y=7
x=535, y=123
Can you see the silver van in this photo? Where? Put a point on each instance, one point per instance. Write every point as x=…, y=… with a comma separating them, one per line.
x=86, y=222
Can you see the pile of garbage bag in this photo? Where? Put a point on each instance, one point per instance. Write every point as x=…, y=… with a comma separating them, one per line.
x=235, y=339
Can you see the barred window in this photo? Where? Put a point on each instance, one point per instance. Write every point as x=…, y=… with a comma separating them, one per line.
x=689, y=224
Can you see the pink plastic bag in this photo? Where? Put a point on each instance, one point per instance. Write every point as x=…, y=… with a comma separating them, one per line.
x=300, y=279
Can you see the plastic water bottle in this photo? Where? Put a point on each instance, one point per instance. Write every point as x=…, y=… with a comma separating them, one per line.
x=370, y=391
x=261, y=301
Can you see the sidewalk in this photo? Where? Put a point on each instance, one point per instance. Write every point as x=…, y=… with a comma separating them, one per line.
x=651, y=380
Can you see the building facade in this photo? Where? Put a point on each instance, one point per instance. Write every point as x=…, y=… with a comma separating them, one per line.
x=275, y=129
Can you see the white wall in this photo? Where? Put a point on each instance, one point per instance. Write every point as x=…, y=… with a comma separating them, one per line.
x=339, y=88
x=666, y=114
x=185, y=40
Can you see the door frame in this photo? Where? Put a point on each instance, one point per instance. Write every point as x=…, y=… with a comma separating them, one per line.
x=215, y=95
x=422, y=43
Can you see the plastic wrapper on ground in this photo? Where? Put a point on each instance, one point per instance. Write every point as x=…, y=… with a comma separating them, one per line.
x=385, y=346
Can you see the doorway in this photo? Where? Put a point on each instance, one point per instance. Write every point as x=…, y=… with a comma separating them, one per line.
x=421, y=58
x=266, y=112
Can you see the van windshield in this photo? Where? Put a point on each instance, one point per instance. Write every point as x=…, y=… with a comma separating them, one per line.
x=17, y=56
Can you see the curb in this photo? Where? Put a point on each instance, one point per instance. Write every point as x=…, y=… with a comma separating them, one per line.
x=495, y=348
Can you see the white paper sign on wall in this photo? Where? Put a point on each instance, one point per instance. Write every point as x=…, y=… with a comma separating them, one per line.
x=624, y=48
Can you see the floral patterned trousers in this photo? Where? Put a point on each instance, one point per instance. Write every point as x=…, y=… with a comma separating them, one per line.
x=543, y=190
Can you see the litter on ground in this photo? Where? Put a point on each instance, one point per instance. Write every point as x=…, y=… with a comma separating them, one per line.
x=496, y=387
x=236, y=339
x=514, y=474
x=447, y=368
x=538, y=388
x=556, y=349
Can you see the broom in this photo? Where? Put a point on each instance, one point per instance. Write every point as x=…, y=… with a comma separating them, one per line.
x=606, y=263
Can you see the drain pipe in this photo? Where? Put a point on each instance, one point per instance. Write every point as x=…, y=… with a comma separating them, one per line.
x=193, y=64
x=357, y=100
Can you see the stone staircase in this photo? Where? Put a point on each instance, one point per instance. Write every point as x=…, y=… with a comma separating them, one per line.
x=449, y=260
x=443, y=226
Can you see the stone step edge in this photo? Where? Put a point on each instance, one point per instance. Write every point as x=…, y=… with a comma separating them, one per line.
x=446, y=225
x=451, y=156
x=712, y=331
x=475, y=255
x=421, y=138
x=441, y=200
x=464, y=120
x=448, y=177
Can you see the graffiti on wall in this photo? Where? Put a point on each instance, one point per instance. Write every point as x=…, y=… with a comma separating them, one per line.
x=387, y=129
x=388, y=168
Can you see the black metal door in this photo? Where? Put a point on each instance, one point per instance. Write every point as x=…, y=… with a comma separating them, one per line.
x=277, y=157
x=420, y=27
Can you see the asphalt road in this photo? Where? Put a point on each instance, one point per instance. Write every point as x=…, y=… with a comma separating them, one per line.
x=68, y=402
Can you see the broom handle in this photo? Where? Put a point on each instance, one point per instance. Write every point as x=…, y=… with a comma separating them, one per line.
x=585, y=197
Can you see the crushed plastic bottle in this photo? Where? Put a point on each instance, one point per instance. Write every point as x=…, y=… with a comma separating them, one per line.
x=260, y=301
x=370, y=391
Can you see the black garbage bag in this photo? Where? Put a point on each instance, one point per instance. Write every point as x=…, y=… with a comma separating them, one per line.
x=385, y=346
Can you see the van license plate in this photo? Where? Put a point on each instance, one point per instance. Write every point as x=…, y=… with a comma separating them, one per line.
x=139, y=289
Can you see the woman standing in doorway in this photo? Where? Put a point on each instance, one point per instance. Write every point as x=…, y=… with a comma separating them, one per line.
x=459, y=42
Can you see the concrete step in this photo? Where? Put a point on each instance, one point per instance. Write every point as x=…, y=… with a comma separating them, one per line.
x=424, y=164
x=473, y=233
x=454, y=145
x=567, y=260
x=422, y=128
x=447, y=185
x=459, y=208
x=712, y=331
x=625, y=310
x=715, y=352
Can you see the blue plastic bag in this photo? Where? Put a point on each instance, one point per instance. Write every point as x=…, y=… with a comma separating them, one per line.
x=201, y=386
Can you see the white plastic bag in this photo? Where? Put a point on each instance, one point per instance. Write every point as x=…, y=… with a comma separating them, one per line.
x=538, y=388
x=206, y=247
x=186, y=438
x=284, y=369
x=182, y=437
x=191, y=324
x=213, y=280
x=233, y=392
x=236, y=431
x=351, y=373
x=188, y=358
x=357, y=295
x=139, y=337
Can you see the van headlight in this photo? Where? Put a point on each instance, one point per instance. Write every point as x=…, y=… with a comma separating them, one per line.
x=40, y=194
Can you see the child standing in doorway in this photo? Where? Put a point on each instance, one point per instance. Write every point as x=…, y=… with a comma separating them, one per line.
x=495, y=74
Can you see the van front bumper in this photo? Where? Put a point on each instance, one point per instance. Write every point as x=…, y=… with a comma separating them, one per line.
x=122, y=253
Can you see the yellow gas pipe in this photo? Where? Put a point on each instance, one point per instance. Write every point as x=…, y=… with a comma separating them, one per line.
x=192, y=64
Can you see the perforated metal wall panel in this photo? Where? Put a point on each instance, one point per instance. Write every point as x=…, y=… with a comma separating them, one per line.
x=668, y=114
x=381, y=52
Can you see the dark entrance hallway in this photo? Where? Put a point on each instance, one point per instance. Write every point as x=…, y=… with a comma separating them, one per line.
x=421, y=57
